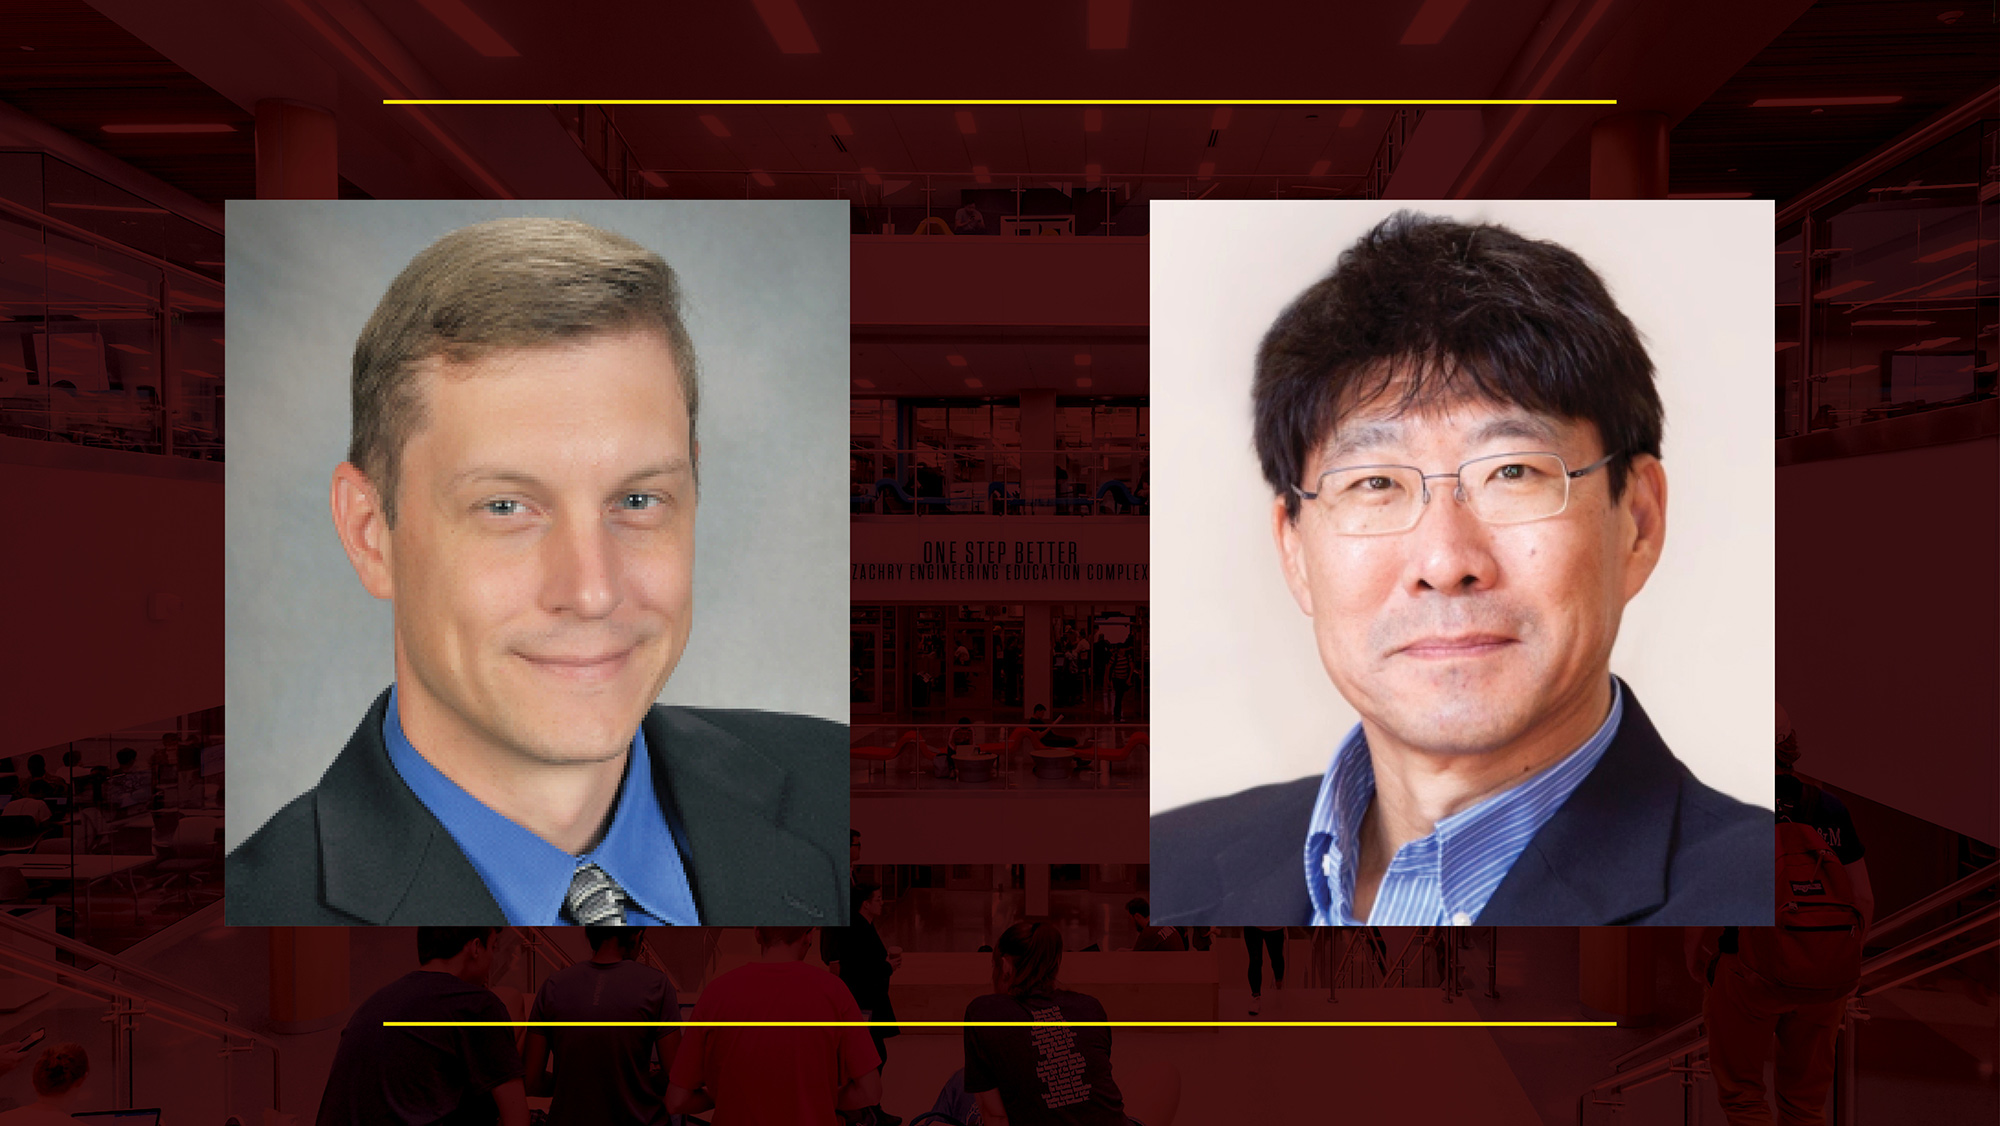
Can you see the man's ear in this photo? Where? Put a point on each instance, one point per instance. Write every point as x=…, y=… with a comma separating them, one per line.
x=363, y=529
x=1645, y=524
x=1291, y=554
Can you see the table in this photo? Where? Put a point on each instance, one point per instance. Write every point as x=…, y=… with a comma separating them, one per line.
x=87, y=867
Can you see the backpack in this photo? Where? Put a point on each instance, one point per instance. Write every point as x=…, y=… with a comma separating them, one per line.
x=1813, y=950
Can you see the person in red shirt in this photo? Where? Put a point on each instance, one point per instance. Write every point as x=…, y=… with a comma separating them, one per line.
x=759, y=1075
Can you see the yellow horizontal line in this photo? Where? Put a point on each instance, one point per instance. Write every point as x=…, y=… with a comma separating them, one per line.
x=999, y=101
x=998, y=1023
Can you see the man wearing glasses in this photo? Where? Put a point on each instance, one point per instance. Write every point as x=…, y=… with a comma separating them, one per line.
x=1463, y=438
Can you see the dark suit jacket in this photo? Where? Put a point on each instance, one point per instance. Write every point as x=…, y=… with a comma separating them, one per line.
x=1639, y=841
x=761, y=798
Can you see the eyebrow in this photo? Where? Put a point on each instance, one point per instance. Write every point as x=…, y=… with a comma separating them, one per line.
x=1351, y=440
x=672, y=467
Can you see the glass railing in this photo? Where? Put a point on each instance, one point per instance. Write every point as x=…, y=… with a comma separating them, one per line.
x=1888, y=282
x=150, y=1041
x=1935, y=987
x=1440, y=958
x=932, y=481
x=102, y=342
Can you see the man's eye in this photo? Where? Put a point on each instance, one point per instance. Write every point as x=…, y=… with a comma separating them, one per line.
x=1375, y=484
x=639, y=502
x=501, y=507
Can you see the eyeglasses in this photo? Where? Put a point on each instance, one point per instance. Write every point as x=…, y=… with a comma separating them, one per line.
x=1379, y=500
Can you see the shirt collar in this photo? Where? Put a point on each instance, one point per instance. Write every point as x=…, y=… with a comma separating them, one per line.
x=1470, y=851
x=527, y=875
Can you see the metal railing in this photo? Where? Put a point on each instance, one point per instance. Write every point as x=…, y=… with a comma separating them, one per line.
x=117, y=965
x=929, y=480
x=127, y=1005
x=1689, y=1059
x=1432, y=958
x=1100, y=743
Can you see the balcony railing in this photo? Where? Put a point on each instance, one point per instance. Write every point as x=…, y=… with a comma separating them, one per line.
x=934, y=481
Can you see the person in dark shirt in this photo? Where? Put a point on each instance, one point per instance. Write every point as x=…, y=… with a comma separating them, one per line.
x=1150, y=936
x=1058, y=1075
x=445, y=1076
x=1039, y=723
x=858, y=955
x=604, y=1075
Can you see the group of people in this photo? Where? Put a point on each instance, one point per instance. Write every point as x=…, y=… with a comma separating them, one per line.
x=115, y=790
x=1099, y=667
x=653, y=1066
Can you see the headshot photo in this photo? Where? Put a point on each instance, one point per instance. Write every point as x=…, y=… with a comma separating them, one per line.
x=536, y=563
x=1446, y=490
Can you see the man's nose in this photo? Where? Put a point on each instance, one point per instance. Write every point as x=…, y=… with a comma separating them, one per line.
x=1450, y=548
x=581, y=567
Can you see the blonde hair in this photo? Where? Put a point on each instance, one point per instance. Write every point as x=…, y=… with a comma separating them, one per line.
x=506, y=283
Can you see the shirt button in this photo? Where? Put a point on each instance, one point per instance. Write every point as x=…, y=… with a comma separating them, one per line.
x=1461, y=919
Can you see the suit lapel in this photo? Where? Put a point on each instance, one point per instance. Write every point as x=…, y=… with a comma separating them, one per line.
x=1602, y=859
x=1276, y=897
x=384, y=857
x=728, y=800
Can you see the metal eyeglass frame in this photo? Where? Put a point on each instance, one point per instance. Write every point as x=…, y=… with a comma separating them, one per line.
x=1458, y=490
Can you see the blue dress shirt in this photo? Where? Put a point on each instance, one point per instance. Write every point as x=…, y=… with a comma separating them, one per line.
x=1445, y=878
x=527, y=875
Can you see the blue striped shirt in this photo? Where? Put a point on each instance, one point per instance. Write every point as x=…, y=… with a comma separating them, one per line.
x=1443, y=879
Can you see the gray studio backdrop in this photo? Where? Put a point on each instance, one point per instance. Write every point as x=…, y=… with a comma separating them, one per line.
x=766, y=301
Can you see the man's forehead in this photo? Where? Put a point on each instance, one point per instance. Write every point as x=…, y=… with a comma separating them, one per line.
x=1469, y=423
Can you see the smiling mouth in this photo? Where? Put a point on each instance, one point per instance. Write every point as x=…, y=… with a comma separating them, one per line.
x=1450, y=648
x=588, y=669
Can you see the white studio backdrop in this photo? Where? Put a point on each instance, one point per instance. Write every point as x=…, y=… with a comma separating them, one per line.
x=1240, y=698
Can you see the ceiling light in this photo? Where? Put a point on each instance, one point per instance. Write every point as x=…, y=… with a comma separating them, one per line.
x=1966, y=247
x=109, y=207
x=184, y=127
x=1863, y=100
x=1206, y=170
x=1220, y=118
x=1901, y=324
x=133, y=350
x=1431, y=22
x=971, y=382
x=1083, y=381
x=1956, y=287
x=1320, y=166
x=1351, y=117
x=955, y=360
x=981, y=175
x=466, y=24
x=1109, y=24
x=787, y=25
x=715, y=125
x=838, y=123
x=1083, y=359
x=1784, y=344
x=866, y=384
x=652, y=177
x=965, y=123
x=762, y=177
x=1926, y=345
x=1093, y=121
x=1843, y=287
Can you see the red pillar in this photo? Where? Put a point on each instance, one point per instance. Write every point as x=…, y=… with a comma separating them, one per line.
x=298, y=152
x=1628, y=156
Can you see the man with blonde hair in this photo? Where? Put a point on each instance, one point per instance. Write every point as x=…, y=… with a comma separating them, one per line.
x=521, y=484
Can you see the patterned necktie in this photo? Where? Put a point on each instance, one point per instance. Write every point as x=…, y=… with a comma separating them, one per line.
x=593, y=900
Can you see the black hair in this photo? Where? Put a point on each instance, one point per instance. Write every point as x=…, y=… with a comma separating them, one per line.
x=1430, y=310
x=859, y=894
x=628, y=938
x=61, y=1067
x=435, y=944
x=127, y=756
x=36, y=764
x=1037, y=950
x=1137, y=905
